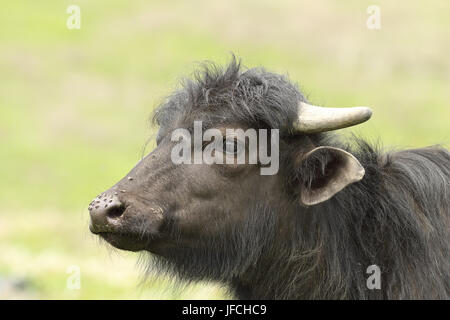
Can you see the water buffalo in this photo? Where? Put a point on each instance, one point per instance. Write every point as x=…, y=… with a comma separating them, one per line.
x=336, y=212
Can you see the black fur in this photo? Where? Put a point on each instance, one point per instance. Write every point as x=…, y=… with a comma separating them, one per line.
x=397, y=217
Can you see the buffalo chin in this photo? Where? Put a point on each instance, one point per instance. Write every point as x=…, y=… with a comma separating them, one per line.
x=127, y=242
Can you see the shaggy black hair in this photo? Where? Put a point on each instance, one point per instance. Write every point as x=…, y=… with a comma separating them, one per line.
x=397, y=217
x=254, y=98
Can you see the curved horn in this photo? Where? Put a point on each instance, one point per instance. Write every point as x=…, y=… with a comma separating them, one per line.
x=314, y=119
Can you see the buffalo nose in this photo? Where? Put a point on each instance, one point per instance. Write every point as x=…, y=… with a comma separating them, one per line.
x=105, y=211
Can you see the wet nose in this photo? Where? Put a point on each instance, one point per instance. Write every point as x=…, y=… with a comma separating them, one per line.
x=105, y=212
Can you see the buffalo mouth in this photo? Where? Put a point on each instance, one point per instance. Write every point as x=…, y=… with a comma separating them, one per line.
x=123, y=233
x=125, y=241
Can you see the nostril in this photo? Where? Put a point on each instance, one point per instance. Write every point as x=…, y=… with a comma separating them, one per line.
x=108, y=206
x=115, y=211
x=106, y=213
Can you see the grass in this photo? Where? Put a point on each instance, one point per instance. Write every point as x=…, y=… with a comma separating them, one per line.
x=74, y=107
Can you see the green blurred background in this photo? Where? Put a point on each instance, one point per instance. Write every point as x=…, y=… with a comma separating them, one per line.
x=75, y=104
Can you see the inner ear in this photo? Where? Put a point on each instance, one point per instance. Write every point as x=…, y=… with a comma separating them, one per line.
x=325, y=171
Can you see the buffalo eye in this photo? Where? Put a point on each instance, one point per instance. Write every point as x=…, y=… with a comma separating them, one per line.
x=230, y=146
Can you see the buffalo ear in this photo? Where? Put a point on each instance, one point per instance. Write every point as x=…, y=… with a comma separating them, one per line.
x=326, y=171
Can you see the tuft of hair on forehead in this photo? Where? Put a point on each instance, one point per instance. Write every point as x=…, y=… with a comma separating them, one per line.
x=232, y=94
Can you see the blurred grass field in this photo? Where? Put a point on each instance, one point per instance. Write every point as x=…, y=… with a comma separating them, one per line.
x=75, y=104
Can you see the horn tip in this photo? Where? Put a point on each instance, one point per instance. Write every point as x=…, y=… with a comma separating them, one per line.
x=366, y=113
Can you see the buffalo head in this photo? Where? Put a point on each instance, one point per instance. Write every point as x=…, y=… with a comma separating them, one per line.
x=217, y=218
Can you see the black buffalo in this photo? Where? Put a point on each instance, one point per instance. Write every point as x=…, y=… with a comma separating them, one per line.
x=310, y=231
